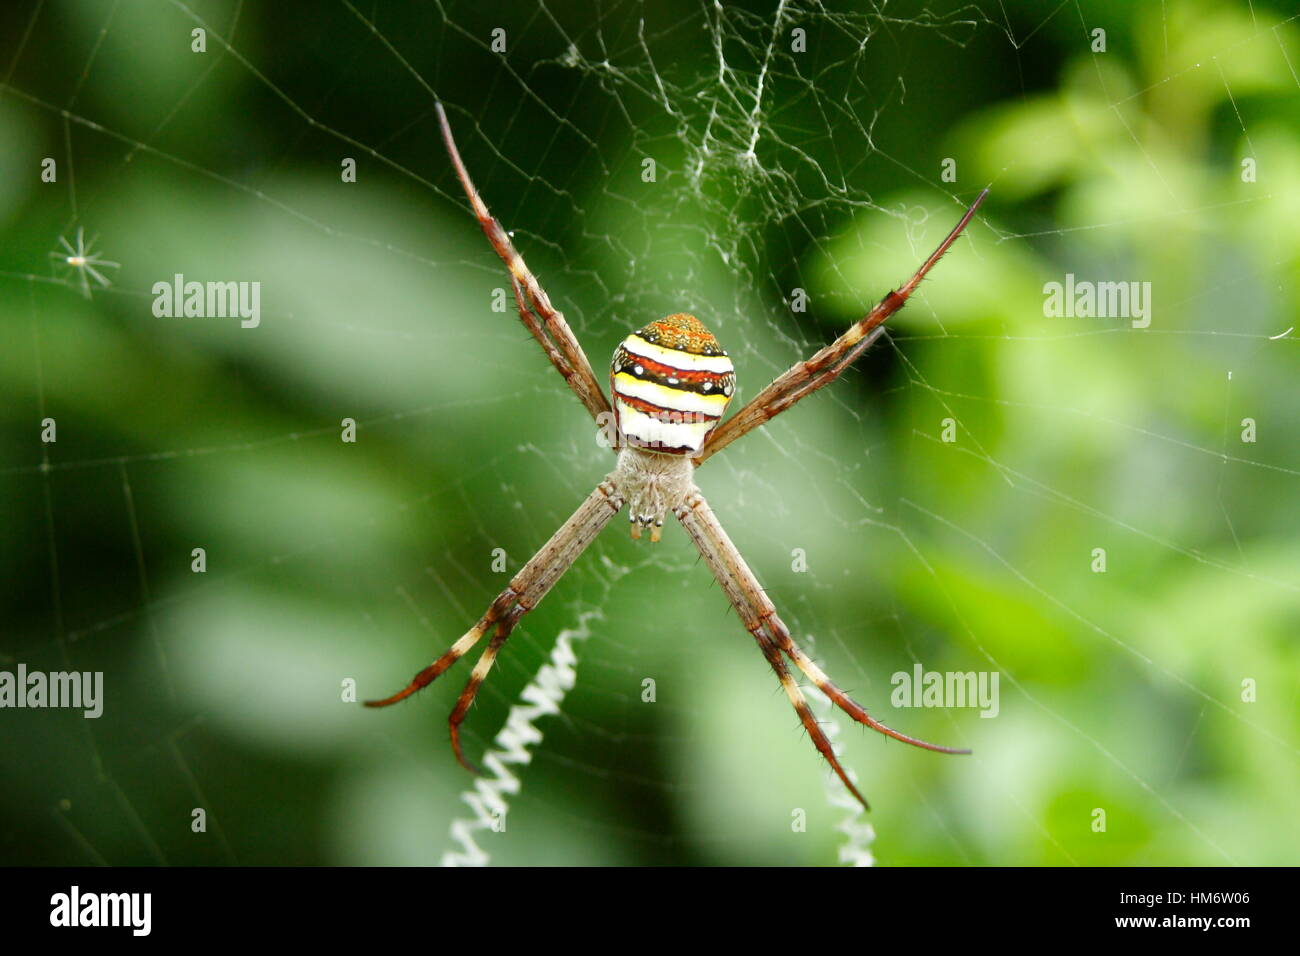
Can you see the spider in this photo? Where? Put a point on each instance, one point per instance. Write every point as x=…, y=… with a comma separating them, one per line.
x=84, y=259
x=670, y=382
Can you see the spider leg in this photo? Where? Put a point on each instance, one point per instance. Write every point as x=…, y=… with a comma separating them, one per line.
x=825, y=366
x=760, y=618
x=476, y=678
x=504, y=601
x=563, y=343
x=533, y=324
x=524, y=593
x=97, y=275
x=819, y=738
x=842, y=700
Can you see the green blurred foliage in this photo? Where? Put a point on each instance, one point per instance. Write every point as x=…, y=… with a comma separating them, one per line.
x=328, y=561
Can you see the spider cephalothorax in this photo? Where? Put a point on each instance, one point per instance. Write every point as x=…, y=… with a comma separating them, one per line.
x=652, y=484
x=671, y=383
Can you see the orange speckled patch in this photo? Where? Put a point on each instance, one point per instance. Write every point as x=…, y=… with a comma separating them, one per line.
x=682, y=332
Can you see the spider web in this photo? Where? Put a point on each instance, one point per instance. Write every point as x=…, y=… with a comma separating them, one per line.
x=777, y=172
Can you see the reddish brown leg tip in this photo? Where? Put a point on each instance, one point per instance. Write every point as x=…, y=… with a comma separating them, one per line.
x=460, y=757
x=387, y=701
x=473, y=768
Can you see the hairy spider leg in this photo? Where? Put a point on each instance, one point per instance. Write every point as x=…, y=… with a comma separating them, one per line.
x=524, y=593
x=806, y=377
x=759, y=616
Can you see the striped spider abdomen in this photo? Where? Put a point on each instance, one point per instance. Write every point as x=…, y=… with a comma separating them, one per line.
x=671, y=382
